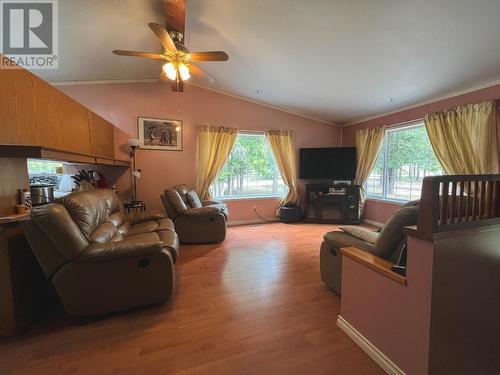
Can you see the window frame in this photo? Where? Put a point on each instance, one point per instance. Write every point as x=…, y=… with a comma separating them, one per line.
x=254, y=133
x=397, y=127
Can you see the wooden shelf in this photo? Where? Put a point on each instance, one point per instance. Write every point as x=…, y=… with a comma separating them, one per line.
x=373, y=262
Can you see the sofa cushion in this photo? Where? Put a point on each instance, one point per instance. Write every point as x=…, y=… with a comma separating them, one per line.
x=112, y=201
x=361, y=233
x=392, y=233
x=104, y=233
x=165, y=224
x=118, y=219
x=193, y=200
x=339, y=239
x=144, y=227
x=88, y=210
x=125, y=228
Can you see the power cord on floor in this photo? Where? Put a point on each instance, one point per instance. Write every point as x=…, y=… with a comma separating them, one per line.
x=254, y=209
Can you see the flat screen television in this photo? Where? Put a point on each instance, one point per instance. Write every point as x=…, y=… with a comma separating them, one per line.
x=337, y=163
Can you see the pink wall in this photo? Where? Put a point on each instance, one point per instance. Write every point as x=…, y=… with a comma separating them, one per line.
x=391, y=316
x=121, y=104
x=381, y=211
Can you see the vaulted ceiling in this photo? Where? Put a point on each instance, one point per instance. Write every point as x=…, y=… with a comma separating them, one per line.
x=337, y=60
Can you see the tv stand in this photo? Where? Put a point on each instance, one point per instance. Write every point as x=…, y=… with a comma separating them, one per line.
x=332, y=204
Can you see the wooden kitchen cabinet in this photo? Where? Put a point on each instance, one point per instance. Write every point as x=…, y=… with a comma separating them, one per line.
x=8, y=108
x=34, y=113
x=49, y=114
x=101, y=137
x=75, y=126
x=17, y=111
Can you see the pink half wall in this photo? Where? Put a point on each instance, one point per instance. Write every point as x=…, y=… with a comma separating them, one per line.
x=122, y=104
x=380, y=211
x=395, y=318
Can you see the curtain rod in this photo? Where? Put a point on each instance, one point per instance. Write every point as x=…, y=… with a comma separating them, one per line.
x=405, y=123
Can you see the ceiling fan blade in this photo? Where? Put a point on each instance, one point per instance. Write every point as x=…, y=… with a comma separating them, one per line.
x=200, y=73
x=148, y=55
x=208, y=56
x=165, y=39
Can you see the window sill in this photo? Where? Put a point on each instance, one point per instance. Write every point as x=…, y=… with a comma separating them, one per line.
x=254, y=197
x=387, y=200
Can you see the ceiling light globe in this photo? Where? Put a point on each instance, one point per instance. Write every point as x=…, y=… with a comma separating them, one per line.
x=184, y=72
x=170, y=71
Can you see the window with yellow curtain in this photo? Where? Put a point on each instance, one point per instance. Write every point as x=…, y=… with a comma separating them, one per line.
x=405, y=158
x=250, y=171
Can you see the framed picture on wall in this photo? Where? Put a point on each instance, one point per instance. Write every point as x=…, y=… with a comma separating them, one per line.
x=160, y=134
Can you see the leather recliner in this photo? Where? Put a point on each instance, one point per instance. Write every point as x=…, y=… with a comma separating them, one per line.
x=100, y=259
x=203, y=224
x=386, y=244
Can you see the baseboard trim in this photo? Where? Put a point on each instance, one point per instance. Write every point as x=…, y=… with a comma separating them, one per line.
x=380, y=358
x=373, y=223
x=252, y=221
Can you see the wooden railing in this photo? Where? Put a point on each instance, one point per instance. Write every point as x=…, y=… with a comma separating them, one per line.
x=459, y=202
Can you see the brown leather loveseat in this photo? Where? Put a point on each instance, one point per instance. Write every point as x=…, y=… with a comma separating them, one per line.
x=195, y=221
x=100, y=259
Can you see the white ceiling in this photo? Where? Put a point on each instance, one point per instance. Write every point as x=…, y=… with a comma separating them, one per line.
x=338, y=60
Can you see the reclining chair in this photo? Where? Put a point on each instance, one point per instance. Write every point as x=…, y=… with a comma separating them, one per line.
x=386, y=244
x=195, y=221
x=97, y=258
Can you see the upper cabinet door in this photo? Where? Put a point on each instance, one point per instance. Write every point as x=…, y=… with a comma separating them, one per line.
x=101, y=137
x=17, y=111
x=49, y=114
x=76, y=128
x=8, y=109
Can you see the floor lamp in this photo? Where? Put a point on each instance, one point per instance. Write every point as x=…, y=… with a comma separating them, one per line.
x=136, y=173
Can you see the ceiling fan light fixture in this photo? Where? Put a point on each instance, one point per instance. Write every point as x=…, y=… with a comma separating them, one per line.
x=184, y=72
x=170, y=71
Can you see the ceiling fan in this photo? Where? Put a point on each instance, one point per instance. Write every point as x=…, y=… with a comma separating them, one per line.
x=179, y=61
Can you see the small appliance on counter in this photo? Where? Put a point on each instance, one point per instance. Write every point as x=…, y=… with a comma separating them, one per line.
x=41, y=194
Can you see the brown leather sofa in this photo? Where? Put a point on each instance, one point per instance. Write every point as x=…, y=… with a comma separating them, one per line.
x=100, y=259
x=195, y=222
x=386, y=244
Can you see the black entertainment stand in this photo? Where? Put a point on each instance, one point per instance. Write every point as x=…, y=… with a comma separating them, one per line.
x=333, y=204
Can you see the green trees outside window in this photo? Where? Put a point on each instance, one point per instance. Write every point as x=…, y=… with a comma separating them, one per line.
x=405, y=158
x=250, y=170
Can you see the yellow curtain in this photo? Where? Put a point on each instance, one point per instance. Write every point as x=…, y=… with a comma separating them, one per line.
x=465, y=139
x=368, y=143
x=282, y=143
x=214, y=146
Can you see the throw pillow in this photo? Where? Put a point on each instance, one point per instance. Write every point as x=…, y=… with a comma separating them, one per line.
x=193, y=200
x=361, y=233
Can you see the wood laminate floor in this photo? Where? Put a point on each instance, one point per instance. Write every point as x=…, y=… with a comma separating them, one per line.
x=252, y=305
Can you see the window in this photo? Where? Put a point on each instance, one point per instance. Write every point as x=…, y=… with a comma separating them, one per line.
x=250, y=170
x=405, y=158
x=38, y=166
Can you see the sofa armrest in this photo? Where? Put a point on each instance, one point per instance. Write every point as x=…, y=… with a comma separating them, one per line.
x=135, y=246
x=140, y=217
x=202, y=211
x=210, y=202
